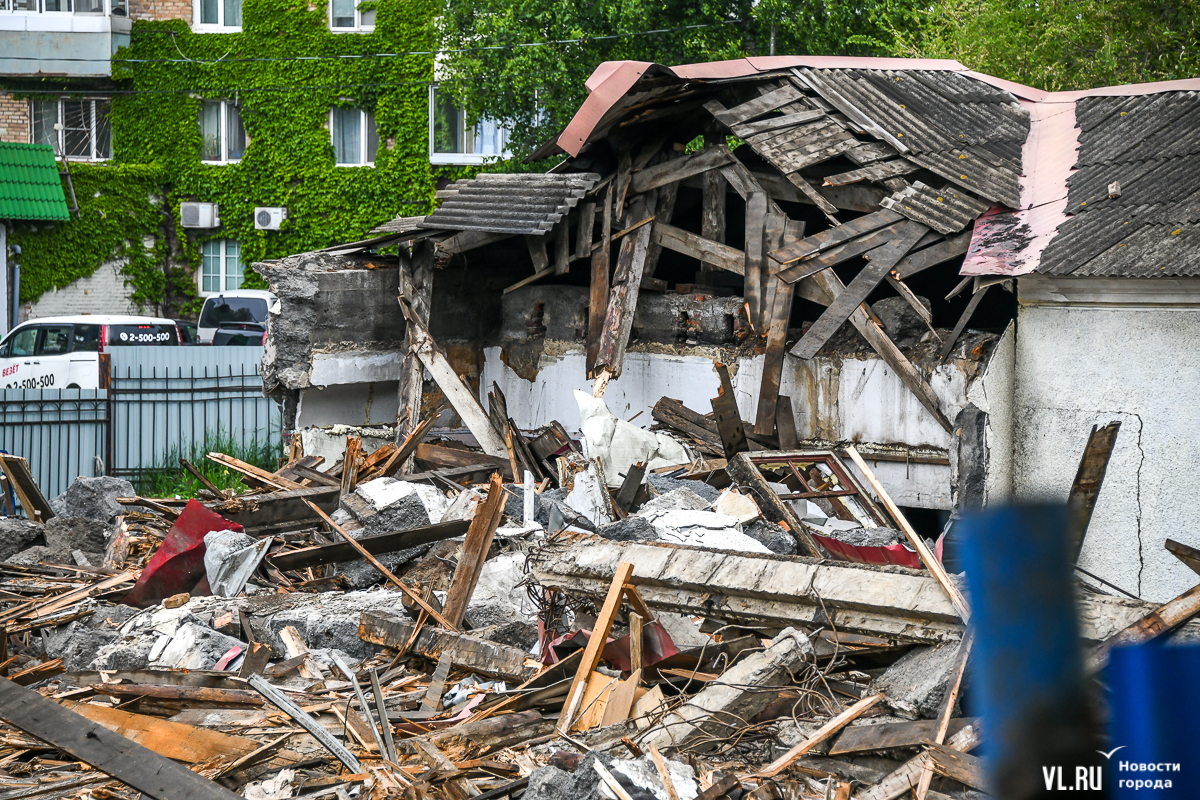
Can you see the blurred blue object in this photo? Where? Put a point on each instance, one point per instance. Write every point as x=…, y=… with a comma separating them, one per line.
x=1155, y=718
x=1026, y=670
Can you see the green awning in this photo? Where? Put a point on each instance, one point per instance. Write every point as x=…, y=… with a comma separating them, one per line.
x=30, y=187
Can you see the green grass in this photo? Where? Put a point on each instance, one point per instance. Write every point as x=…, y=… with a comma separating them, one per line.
x=171, y=479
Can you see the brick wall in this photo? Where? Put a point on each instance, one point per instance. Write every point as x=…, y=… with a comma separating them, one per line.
x=14, y=119
x=102, y=292
x=161, y=9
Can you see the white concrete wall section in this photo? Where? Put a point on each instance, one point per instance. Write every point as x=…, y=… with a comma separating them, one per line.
x=355, y=366
x=1080, y=366
x=349, y=404
x=860, y=400
x=102, y=292
x=993, y=394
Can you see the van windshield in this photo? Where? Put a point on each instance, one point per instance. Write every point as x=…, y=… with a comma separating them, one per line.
x=218, y=310
x=152, y=334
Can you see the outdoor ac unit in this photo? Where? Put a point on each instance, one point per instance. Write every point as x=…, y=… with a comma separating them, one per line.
x=268, y=219
x=199, y=215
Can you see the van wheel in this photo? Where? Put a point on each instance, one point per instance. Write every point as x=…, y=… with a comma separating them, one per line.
x=72, y=385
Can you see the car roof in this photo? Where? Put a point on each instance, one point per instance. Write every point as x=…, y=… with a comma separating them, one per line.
x=98, y=319
x=263, y=293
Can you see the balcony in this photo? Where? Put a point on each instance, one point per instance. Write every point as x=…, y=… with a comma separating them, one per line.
x=75, y=38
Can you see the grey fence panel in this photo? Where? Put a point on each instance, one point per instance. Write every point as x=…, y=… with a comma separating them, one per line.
x=62, y=433
x=168, y=401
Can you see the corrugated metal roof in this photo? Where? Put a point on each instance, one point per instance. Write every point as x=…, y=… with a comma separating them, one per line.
x=30, y=187
x=946, y=210
x=522, y=203
x=1148, y=146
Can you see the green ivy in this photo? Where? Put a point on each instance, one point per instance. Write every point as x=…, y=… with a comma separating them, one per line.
x=129, y=207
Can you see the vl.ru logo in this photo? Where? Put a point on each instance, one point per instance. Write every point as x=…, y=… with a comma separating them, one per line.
x=1085, y=779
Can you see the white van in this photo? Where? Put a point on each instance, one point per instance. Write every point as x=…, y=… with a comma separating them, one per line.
x=64, y=352
x=236, y=309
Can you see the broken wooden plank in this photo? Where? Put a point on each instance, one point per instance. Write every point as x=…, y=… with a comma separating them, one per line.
x=747, y=129
x=941, y=252
x=385, y=725
x=20, y=478
x=1161, y=620
x=465, y=651
x=676, y=169
x=111, y=753
x=947, y=710
x=474, y=552
x=1189, y=555
x=585, y=230
x=857, y=291
x=175, y=740
x=821, y=734
x=591, y=653
x=255, y=474
x=785, y=424
x=708, y=251
x=460, y=397
x=756, y=220
x=727, y=416
x=623, y=297
x=962, y=767
x=712, y=211
x=835, y=236
x=1088, y=479
x=562, y=246
x=545, y=272
x=763, y=104
x=442, y=456
x=814, y=197
x=350, y=463
x=858, y=246
x=888, y=736
x=630, y=485
x=968, y=312
x=906, y=776
x=928, y=559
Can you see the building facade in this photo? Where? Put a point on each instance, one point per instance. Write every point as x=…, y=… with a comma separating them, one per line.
x=294, y=126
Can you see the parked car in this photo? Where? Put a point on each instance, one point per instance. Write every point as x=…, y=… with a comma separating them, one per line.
x=240, y=334
x=64, y=352
x=188, y=332
x=234, y=306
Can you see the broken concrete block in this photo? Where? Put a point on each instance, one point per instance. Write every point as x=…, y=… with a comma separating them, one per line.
x=230, y=558
x=900, y=320
x=772, y=537
x=661, y=484
x=384, y=493
x=499, y=596
x=588, y=497
x=719, y=708
x=702, y=529
x=916, y=684
x=64, y=535
x=681, y=499
x=857, y=535
x=618, y=444
x=630, y=529
x=325, y=620
x=194, y=646
x=93, y=498
x=641, y=773
x=463, y=506
x=17, y=535
x=733, y=503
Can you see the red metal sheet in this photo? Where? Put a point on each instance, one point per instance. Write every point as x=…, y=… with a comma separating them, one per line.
x=897, y=554
x=178, y=564
x=656, y=646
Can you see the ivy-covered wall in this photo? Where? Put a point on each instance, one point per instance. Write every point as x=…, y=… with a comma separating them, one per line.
x=129, y=206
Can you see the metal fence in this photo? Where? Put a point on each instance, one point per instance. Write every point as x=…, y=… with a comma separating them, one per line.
x=162, y=403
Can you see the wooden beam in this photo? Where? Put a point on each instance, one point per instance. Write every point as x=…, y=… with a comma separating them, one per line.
x=763, y=104
x=941, y=252
x=375, y=545
x=599, y=637
x=585, y=229
x=711, y=253
x=778, y=318
x=460, y=397
x=1189, y=555
x=858, y=290
x=474, y=553
x=835, y=236
x=892, y=735
x=1161, y=620
x=756, y=219
x=858, y=246
x=111, y=753
x=877, y=171
x=1088, y=480
x=676, y=169
x=906, y=776
x=947, y=710
x=961, y=325
x=316, y=729
x=712, y=211
x=598, y=297
x=466, y=651
x=622, y=304
x=819, y=735
x=928, y=559
x=416, y=287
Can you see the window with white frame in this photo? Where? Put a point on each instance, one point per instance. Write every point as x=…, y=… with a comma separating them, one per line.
x=355, y=139
x=221, y=266
x=219, y=15
x=222, y=130
x=116, y=8
x=452, y=141
x=77, y=129
x=346, y=15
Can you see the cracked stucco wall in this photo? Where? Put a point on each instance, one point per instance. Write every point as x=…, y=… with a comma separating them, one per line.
x=1077, y=366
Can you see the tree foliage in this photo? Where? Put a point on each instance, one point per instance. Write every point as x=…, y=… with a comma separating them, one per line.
x=526, y=61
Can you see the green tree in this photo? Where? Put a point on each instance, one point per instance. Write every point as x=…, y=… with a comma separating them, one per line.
x=1058, y=44
x=525, y=62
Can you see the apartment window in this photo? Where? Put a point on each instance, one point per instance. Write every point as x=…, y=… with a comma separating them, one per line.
x=345, y=15
x=355, y=140
x=220, y=14
x=222, y=130
x=221, y=266
x=452, y=141
x=78, y=129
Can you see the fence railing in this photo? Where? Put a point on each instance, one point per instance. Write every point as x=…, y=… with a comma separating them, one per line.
x=161, y=403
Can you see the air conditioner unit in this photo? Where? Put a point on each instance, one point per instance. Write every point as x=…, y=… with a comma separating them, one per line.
x=268, y=219
x=199, y=215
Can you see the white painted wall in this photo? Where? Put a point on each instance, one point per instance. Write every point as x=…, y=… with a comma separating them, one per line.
x=859, y=399
x=992, y=393
x=102, y=292
x=1080, y=365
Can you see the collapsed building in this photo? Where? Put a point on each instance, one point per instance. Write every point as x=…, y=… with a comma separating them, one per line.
x=1014, y=265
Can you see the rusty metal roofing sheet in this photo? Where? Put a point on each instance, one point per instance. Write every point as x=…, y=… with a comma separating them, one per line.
x=500, y=203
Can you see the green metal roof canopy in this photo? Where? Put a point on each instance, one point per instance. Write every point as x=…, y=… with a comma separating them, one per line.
x=30, y=187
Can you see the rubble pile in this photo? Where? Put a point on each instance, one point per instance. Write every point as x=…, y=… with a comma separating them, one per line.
x=578, y=620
